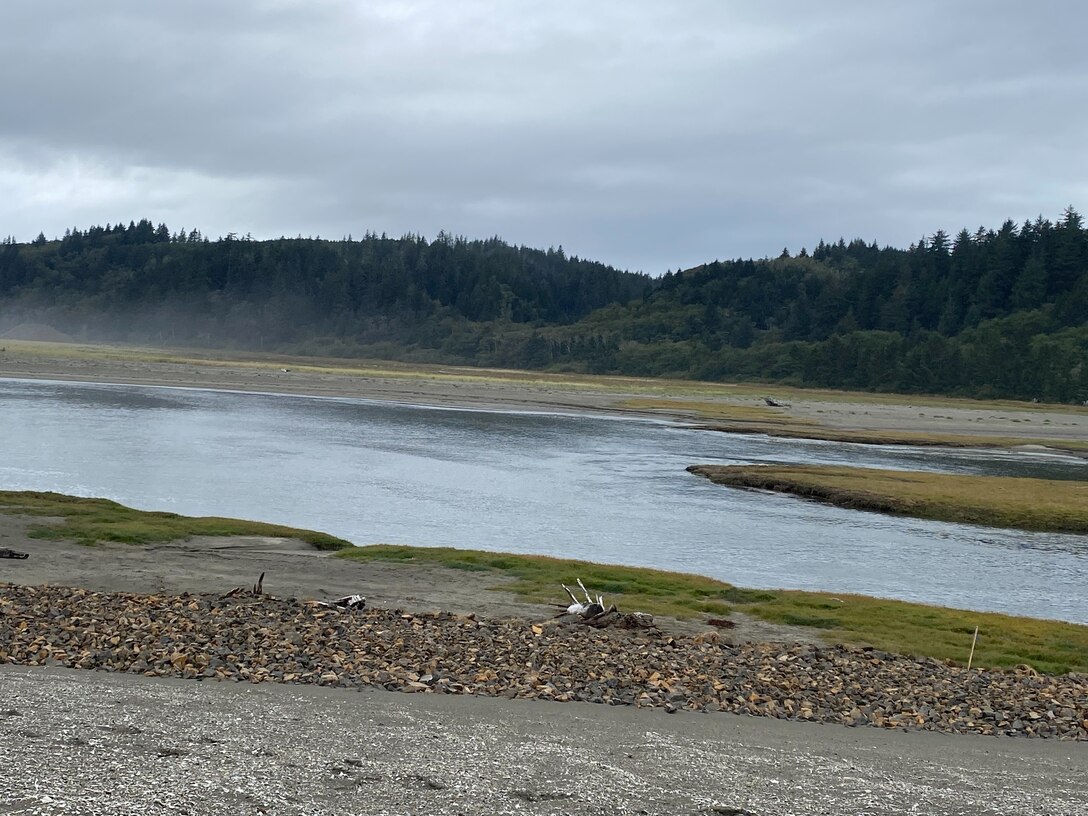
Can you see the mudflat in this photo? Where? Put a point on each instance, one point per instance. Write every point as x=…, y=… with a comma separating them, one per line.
x=533, y=391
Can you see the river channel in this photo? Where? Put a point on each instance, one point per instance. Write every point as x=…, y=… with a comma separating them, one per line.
x=591, y=487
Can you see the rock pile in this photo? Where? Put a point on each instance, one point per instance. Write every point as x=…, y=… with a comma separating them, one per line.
x=283, y=640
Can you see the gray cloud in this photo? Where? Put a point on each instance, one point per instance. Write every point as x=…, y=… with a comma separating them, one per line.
x=643, y=134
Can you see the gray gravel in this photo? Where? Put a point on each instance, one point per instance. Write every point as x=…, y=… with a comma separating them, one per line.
x=91, y=742
x=285, y=640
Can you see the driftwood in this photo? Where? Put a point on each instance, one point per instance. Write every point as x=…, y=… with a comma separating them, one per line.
x=592, y=612
x=722, y=623
x=347, y=602
x=590, y=609
x=621, y=620
x=7, y=553
x=258, y=589
x=775, y=403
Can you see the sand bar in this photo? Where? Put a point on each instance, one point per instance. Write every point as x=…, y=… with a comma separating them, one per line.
x=531, y=391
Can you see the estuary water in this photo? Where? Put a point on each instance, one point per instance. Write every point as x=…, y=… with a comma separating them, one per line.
x=591, y=487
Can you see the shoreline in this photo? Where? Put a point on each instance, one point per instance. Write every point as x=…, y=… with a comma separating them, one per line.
x=828, y=415
x=98, y=741
x=247, y=636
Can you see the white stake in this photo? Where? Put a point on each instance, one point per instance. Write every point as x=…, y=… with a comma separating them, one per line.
x=974, y=640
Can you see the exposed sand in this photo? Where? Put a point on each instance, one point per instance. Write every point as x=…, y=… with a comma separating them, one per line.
x=475, y=388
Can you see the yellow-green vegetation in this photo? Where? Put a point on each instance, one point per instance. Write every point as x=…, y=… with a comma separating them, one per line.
x=257, y=361
x=537, y=578
x=996, y=501
x=94, y=521
x=894, y=626
x=654, y=388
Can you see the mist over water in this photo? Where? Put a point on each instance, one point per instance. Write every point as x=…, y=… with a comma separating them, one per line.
x=611, y=490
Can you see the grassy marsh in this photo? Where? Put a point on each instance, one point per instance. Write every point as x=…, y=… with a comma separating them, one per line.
x=894, y=626
x=649, y=387
x=95, y=521
x=995, y=501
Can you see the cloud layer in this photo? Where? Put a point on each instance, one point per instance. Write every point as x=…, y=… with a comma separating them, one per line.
x=643, y=134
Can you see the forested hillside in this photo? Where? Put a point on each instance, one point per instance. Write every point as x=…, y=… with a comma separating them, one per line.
x=990, y=313
x=142, y=283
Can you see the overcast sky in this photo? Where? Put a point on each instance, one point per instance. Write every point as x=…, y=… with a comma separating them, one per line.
x=648, y=135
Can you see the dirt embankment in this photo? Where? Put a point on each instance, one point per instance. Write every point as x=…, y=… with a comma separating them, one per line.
x=292, y=569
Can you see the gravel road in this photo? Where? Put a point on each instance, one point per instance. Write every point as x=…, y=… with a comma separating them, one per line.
x=92, y=742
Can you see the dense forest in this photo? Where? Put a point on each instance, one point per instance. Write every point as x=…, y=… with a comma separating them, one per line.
x=987, y=313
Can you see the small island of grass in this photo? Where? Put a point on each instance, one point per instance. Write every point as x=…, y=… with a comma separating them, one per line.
x=1045, y=505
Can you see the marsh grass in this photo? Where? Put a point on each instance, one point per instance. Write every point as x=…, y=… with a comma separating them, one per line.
x=536, y=578
x=894, y=626
x=94, y=521
x=1051, y=647
x=997, y=501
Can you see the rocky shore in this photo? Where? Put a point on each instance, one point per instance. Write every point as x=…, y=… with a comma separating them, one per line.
x=261, y=638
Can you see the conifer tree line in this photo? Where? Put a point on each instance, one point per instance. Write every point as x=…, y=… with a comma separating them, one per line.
x=986, y=313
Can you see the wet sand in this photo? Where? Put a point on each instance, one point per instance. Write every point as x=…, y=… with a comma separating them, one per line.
x=529, y=391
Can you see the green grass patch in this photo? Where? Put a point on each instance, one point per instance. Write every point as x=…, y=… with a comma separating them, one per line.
x=1051, y=647
x=997, y=501
x=536, y=578
x=94, y=521
x=895, y=626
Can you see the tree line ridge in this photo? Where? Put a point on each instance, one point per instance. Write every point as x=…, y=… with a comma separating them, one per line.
x=991, y=313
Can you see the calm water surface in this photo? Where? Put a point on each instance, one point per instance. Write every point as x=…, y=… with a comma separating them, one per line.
x=612, y=490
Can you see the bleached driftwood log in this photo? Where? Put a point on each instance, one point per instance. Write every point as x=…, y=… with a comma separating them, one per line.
x=592, y=612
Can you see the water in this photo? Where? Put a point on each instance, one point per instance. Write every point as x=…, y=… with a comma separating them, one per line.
x=604, y=489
